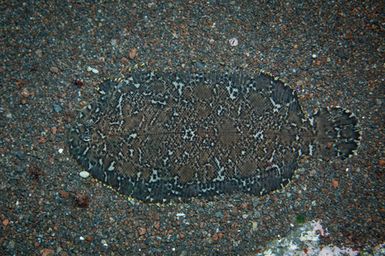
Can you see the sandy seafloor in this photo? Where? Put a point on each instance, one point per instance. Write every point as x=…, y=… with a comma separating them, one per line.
x=331, y=52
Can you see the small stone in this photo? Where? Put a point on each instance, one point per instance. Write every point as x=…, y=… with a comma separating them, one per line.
x=20, y=155
x=142, y=231
x=233, y=41
x=79, y=82
x=104, y=243
x=64, y=194
x=93, y=70
x=254, y=226
x=84, y=174
x=23, y=101
x=124, y=60
x=157, y=225
x=60, y=150
x=57, y=107
x=219, y=214
x=217, y=236
x=39, y=53
x=42, y=140
x=54, y=70
x=89, y=238
x=314, y=56
x=5, y=222
x=335, y=183
x=381, y=162
x=114, y=42
x=200, y=65
x=329, y=145
x=133, y=53
x=47, y=252
x=25, y=93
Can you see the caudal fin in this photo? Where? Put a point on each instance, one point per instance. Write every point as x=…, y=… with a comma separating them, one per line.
x=337, y=132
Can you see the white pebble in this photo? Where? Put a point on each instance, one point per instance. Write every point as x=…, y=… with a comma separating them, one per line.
x=233, y=41
x=314, y=55
x=84, y=174
x=60, y=150
x=93, y=70
x=180, y=215
x=81, y=238
x=104, y=243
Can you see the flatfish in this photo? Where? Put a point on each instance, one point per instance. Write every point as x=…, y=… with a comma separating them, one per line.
x=161, y=136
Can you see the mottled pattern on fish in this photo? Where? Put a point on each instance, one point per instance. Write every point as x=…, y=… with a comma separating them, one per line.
x=159, y=136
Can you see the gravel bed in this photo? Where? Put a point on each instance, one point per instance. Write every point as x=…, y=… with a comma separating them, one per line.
x=54, y=55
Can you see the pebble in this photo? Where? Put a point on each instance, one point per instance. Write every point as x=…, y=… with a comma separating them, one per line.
x=84, y=174
x=57, y=107
x=60, y=150
x=47, y=252
x=20, y=155
x=93, y=70
x=5, y=222
x=233, y=41
x=42, y=140
x=219, y=214
x=200, y=65
x=124, y=60
x=79, y=82
x=104, y=243
x=39, y=53
x=133, y=53
x=25, y=93
x=335, y=183
x=217, y=236
x=254, y=226
x=142, y=231
x=54, y=70
x=64, y=194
